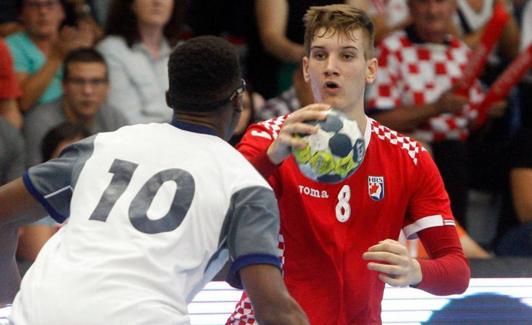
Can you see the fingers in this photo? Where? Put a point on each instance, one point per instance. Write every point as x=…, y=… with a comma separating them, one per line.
x=389, y=245
x=390, y=258
x=293, y=126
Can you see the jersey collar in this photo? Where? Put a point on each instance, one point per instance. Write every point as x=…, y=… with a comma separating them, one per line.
x=193, y=127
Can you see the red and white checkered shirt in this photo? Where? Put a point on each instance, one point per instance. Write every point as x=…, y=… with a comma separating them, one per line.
x=413, y=73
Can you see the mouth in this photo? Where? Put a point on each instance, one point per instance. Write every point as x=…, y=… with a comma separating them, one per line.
x=331, y=87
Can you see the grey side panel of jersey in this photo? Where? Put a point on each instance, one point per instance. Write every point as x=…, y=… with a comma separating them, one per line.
x=55, y=179
x=252, y=223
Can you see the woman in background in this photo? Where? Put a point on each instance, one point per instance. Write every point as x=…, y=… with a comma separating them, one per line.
x=139, y=37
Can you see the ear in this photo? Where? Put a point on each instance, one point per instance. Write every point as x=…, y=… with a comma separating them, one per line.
x=304, y=66
x=168, y=100
x=238, y=104
x=371, y=70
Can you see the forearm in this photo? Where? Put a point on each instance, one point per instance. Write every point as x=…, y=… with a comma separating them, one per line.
x=9, y=274
x=447, y=271
x=509, y=44
x=272, y=18
x=282, y=48
x=406, y=118
x=270, y=298
x=33, y=86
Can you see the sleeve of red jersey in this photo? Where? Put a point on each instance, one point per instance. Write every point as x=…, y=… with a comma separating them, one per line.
x=255, y=143
x=447, y=271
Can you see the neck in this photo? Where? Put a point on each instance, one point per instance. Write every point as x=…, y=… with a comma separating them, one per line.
x=151, y=37
x=75, y=118
x=44, y=43
x=431, y=37
x=201, y=119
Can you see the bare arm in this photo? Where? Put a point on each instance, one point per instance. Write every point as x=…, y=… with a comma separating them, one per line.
x=520, y=180
x=272, y=18
x=33, y=86
x=9, y=110
x=270, y=298
x=17, y=207
x=407, y=118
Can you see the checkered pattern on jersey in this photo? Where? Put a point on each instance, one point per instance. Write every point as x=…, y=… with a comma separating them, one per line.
x=244, y=313
x=413, y=148
x=273, y=126
x=283, y=104
x=415, y=74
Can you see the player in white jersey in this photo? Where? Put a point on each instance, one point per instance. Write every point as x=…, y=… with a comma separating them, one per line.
x=153, y=213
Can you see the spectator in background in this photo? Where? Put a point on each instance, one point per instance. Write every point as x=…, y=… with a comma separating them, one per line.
x=9, y=89
x=38, y=51
x=85, y=86
x=515, y=226
x=413, y=92
x=33, y=236
x=297, y=96
x=9, y=17
x=12, y=155
x=252, y=102
x=525, y=87
x=140, y=36
x=487, y=180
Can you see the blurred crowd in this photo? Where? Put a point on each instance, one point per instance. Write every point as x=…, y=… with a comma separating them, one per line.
x=71, y=68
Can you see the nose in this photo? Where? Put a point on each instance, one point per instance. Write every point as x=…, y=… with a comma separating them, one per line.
x=332, y=66
x=432, y=7
x=88, y=88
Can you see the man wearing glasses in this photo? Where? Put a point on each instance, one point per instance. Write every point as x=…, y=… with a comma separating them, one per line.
x=85, y=86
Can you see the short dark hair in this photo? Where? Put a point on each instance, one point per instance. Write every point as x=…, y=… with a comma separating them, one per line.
x=339, y=18
x=85, y=55
x=203, y=73
x=123, y=22
x=61, y=132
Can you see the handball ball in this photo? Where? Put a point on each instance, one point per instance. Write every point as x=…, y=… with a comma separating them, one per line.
x=333, y=153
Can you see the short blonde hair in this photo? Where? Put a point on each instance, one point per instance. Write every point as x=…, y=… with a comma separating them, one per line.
x=339, y=18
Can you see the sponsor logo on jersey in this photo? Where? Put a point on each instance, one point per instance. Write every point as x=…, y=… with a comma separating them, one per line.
x=305, y=190
x=376, y=187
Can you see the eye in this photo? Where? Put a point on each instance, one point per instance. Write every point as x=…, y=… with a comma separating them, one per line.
x=348, y=56
x=319, y=55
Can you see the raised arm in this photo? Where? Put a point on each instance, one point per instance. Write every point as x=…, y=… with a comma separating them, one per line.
x=272, y=18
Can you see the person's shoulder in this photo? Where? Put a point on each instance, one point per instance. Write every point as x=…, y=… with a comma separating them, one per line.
x=17, y=39
x=395, y=144
x=111, y=44
x=395, y=41
x=46, y=111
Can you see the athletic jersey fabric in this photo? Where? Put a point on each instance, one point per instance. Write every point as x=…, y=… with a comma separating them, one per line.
x=327, y=227
x=413, y=72
x=154, y=212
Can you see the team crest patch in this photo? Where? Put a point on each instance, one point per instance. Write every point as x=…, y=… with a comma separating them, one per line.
x=376, y=187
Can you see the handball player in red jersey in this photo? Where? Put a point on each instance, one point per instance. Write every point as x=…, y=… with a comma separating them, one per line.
x=340, y=240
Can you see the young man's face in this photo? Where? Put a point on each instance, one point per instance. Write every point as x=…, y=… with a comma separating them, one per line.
x=338, y=71
x=85, y=88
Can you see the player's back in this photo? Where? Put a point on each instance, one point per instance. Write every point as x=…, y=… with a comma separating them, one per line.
x=148, y=216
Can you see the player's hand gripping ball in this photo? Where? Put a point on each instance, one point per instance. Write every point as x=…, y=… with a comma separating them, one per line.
x=333, y=153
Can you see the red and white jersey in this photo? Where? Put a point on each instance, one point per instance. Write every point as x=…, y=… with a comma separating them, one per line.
x=327, y=227
x=415, y=73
